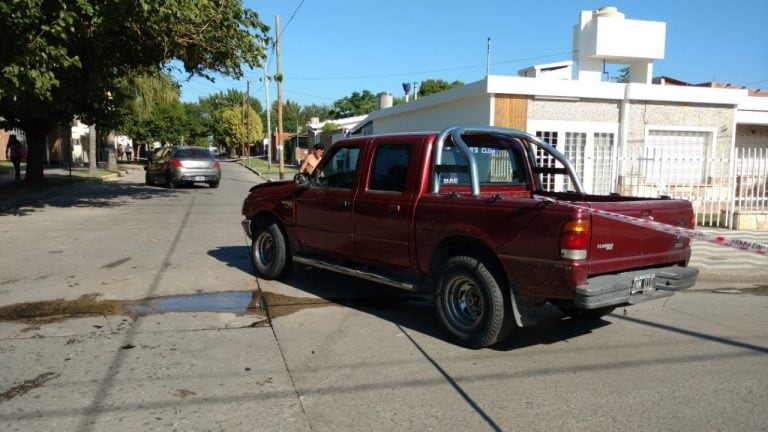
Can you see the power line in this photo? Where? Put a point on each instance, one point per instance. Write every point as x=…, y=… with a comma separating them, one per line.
x=430, y=71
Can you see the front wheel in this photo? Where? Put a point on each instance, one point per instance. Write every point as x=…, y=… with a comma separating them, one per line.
x=470, y=304
x=269, y=252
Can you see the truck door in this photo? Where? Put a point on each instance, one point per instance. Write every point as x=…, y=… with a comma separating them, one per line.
x=383, y=207
x=324, y=211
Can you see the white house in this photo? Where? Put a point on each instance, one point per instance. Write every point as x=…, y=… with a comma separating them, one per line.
x=636, y=137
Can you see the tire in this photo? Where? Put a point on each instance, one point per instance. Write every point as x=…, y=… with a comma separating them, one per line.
x=269, y=252
x=147, y=179
x=213, y=184
x=470, y=304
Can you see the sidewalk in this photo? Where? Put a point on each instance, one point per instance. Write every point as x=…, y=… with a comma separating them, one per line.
x=718, y=265
x=18, y=198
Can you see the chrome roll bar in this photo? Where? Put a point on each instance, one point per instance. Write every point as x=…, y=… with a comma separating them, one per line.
x=456, y=133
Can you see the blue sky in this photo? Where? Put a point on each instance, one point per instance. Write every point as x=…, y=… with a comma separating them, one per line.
x=331, y=48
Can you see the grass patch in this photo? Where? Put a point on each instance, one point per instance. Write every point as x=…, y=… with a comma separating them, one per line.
x=262, y=167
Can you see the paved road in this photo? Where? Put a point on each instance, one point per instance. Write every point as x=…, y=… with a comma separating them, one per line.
x=335, y=353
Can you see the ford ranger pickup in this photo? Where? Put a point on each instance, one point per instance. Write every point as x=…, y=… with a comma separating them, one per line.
x=490, y=222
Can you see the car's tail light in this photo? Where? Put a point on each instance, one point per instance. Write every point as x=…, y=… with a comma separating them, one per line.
x=177, y=163
x=574, y=239
x=216, y=164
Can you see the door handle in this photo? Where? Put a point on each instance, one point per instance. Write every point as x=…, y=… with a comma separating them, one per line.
x=393, y=208
x=343, y=204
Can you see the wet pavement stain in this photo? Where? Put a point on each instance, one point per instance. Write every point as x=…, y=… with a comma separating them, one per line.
x=26, y=386
x=237, y=302
x=116, y=263
x=755, y=290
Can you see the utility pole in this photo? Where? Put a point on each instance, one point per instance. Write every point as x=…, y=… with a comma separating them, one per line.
x=247, y=111
x=242, y=125
x=488, y=59
x=269, y=115
x=281, y=156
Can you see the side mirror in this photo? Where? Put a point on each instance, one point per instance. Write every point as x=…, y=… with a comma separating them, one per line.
x=301, y=179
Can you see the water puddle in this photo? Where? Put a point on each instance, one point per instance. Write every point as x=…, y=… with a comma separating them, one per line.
x=755, y=290
x=236, y=302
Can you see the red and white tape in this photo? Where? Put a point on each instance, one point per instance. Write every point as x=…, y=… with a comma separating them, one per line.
x=744, y=245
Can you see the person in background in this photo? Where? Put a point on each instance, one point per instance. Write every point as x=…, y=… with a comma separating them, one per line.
x=129, y=152
x=310, y=162
x=14, y=152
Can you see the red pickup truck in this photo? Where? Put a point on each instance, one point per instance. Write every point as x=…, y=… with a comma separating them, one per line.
x=491, y=222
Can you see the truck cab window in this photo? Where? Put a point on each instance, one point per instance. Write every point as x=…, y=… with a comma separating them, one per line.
x=495, y=165
x=390, y=168
x=339, y=168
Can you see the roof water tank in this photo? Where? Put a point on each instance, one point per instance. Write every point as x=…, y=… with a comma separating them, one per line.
x=383, y=100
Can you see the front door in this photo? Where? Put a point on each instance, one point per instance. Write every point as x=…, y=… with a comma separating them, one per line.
x=325, y=210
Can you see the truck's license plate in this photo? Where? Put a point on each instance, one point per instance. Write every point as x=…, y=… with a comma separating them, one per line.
x=199, y=178
x=643, y=283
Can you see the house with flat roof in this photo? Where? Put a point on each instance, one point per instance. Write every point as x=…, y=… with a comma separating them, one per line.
x=639, y=137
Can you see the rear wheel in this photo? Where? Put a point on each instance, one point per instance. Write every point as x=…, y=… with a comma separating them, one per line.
x=213, y=184
x=470, y=304
x=269, y=251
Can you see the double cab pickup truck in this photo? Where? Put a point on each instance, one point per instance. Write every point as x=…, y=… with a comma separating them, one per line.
x=490, y=222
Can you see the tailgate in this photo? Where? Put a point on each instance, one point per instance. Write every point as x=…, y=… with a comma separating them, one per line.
x=619, y=246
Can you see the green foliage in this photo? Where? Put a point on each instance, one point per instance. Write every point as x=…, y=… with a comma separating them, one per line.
x=62, y=59
x=432, y=86
x=211, y=108
x=330, y=127
x=354, y=105
x=235, y=133
x=623, y=76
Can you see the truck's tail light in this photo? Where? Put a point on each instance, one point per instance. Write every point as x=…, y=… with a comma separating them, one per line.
x=177, y=163
x=216, y=164
x=574, y=239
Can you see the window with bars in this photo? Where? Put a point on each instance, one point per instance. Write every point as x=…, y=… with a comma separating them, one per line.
x=544, y=160
x=676, y=156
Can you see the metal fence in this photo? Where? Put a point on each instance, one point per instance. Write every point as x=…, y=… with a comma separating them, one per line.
x=716, y=187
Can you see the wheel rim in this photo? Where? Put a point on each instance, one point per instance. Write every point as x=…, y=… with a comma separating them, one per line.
x=464, y=302
x=264, y=249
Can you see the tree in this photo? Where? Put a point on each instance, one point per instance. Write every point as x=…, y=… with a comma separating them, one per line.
x=432, y=86
x=623, y=76
x=355, y=104
x=153, y=111
x=213, y=105
x=235, y=132
x=62, y=59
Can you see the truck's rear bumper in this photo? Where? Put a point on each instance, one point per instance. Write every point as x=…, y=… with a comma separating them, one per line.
x=630, y=288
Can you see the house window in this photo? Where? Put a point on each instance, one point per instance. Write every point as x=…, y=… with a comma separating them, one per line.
x=676, y=156
x=544, y=160
x=602, y=163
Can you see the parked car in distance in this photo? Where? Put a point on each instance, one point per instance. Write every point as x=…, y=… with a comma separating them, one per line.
x=174, y=166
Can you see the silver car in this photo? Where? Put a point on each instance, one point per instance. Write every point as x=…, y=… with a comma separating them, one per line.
x=173, y=166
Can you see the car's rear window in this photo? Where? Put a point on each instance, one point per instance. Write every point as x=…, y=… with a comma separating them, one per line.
x=192, y=153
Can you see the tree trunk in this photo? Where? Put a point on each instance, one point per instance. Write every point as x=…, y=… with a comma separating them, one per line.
x=36, y=132
x=92, y=151
x=110, y=148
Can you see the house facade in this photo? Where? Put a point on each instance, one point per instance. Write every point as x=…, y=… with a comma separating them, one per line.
x=640, y=137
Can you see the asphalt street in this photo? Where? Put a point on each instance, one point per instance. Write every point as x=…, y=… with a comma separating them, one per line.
x=127, y=307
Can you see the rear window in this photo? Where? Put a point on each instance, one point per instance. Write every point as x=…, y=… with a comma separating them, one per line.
x=192, y=153
x=495, y=165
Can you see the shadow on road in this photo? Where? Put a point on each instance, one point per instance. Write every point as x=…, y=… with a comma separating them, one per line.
x=99, y=194
x=404, y=309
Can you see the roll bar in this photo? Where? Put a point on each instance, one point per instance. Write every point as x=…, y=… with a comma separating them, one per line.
x=456, y=133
